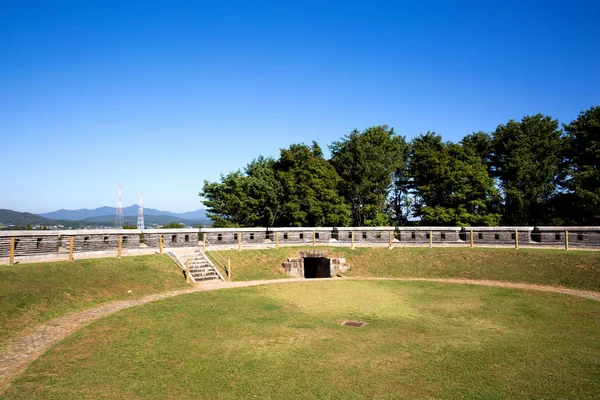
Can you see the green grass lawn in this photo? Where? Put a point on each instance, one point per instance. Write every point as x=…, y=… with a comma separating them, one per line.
x=33, y=293
x=575, y=269
x=422, y=340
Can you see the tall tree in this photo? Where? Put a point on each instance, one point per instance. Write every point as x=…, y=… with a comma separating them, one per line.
x=526, y=160
x=481, y=144
x=309, y=184
x=249, y=199
x=227, y=201
x=366, y=161
x=265, y=191
x=451, y=185
x=582, y=167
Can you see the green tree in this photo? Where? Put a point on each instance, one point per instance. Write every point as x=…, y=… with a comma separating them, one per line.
x=129, y=226
x=173, y=225
x=367, y=161
x=227, y=200
x=581, y=175
x=249, y=198
x=526, y=159
x=309, y=184
x=451, y=185
x=481, y=144
x=264, y=190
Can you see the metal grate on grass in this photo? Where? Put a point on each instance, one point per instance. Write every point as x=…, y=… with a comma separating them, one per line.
x=354, y=324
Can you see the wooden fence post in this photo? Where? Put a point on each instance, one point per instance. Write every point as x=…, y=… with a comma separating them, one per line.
x=430, y=239
x=276, y=240
x=352, y=247
x=120, y=246
x=11, y=260
x=516, y=239
x=71, y=240
x=471, y=244
x=160, y=243
x=314, y=238
x=229, y=269
x=239, y=241
x=391, y=235
x=566, y=240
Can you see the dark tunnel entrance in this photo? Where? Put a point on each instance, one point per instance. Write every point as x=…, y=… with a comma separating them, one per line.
x=318, y=267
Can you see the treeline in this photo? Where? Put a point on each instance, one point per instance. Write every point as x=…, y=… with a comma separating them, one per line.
x=528, y=172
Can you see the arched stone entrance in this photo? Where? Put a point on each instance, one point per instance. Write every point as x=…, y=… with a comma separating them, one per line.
x=314, y=264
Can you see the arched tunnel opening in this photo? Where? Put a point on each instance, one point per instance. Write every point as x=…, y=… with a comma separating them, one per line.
x=317, y=267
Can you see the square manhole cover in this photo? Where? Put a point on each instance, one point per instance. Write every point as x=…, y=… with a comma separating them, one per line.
x=355, y=324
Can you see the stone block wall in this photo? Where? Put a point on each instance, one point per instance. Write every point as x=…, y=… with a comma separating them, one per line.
x=438, y=235
x=498, y=235
x=578, y=236
x=171, y=237
x=100, y=242
x=366, y=234
x=295, y=266
x=27, y=244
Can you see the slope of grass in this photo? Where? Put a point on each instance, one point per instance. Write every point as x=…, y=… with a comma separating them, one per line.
x=33, y=293
x=575, y=269
x=422, y=340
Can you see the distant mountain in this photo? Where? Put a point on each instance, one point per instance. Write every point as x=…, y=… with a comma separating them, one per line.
x=131, y=211
x=24, y=218
x=198, y=215
x=148, y=220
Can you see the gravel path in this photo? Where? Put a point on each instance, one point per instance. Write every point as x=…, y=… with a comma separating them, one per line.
x=23, y=350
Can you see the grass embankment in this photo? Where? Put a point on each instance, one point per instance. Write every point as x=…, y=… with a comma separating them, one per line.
x=33, y=293
x=422, y=340
x=575, y=269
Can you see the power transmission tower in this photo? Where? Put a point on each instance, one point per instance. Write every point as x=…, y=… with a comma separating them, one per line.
x=140, y=221
x=119, y=215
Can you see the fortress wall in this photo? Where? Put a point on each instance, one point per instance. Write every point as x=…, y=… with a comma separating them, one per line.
x=32, y=243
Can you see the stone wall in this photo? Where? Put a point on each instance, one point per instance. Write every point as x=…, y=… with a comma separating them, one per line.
x=322, y=235
x=33, y=243
x=583, y=236
x=171, y=237
x=421, y=234
x=366, y=234
x=100, y=240
x=29, y=243
x=295, y=266
x=505, y=235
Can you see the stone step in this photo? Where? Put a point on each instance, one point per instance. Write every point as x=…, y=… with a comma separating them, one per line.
x=200, y=266
x=203, y=275
x=206, y=278
x=204, y=271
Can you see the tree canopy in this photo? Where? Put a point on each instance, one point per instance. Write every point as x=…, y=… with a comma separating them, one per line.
x=527, y=172
x=366, y=162
x=526, y=159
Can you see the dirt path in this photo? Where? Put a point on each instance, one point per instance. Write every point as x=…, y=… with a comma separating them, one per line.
x=23, y=350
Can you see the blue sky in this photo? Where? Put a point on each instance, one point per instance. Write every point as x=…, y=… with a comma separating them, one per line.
x=162, y=95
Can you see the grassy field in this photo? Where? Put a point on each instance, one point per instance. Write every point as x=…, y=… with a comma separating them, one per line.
x=422, y=340
x=33, y=293
x=575, y=269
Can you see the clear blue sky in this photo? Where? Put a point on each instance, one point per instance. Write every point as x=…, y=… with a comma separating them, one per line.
x=162, y=95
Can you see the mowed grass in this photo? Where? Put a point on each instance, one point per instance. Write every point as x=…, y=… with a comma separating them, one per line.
x=575, y=269
x=422, y=340
x=34, y=293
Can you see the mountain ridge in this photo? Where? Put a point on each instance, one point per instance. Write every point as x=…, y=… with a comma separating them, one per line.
x=22, y=219
x=129, y=211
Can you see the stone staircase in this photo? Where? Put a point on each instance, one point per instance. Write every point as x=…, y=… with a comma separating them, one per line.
x=201, y=269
